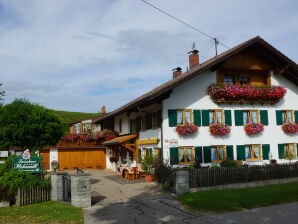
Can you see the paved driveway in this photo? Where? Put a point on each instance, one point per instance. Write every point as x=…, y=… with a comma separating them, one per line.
x=121, y=201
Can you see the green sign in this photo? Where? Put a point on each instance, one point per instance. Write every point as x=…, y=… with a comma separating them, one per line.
x=32, y=164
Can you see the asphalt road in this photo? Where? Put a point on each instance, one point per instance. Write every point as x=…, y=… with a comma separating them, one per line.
x=143, y=203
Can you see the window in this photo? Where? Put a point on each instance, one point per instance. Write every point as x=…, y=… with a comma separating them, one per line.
x=242, y=79
x=146, y=151
x=186, y=155
x=253, y=152
x=184, y=116
x=77, y=128
x=287, y=116
x=86, y=127
x=143, y=123
x=135, y=125
x=216, y=117
x=218, y=153
x=156, y=152
x=156, y=119
x=290, y=151
x=251, y=116
x=229, y=79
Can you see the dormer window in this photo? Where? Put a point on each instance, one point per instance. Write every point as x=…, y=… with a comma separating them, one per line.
x=244, y=79
x=231, y=79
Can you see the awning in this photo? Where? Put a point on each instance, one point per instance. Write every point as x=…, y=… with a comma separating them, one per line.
x=119, y=140
x=149, y=141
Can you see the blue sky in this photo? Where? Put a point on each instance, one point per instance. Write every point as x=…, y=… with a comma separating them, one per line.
x=78, y=55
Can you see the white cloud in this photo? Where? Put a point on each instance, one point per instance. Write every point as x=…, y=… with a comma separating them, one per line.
x=78, y=55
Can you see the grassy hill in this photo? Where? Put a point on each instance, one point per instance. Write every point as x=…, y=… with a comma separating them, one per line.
x=70, y=117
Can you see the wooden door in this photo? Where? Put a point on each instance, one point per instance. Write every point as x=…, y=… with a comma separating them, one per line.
x=70, y=159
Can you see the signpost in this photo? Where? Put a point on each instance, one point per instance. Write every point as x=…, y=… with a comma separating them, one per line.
x=31, y=165
x=27, y=163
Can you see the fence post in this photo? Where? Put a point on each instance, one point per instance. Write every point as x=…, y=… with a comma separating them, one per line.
x=57, y=186
x=81, y=190
x=18, y=197
x=182, y=181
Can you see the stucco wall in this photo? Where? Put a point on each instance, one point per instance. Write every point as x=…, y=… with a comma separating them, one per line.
x=193, y=95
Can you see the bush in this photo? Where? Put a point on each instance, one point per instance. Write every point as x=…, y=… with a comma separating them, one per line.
x=229, y=163
x=6, y=195
x=14, y=179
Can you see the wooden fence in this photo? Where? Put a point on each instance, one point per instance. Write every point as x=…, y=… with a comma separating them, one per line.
x=207, y=177
x=32, y=195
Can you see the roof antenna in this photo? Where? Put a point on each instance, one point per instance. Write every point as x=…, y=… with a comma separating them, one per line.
x=216, y=42
x=193, y=45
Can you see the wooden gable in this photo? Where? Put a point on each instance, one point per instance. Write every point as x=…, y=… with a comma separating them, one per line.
x=248, y=62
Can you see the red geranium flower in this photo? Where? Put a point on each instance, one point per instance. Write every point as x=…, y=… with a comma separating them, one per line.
x=186, y=129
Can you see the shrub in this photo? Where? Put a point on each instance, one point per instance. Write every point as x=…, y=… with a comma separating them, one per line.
x=229, y=163
x=6, y=195
x=14, y=179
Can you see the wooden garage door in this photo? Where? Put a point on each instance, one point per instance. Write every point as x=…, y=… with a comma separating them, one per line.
x=45, y=162
x=70, y=159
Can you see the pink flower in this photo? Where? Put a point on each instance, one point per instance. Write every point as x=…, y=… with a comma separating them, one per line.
x=290, y=128
x=237, y=92
x=219, y=129
x=186, y=129
x=253, y=128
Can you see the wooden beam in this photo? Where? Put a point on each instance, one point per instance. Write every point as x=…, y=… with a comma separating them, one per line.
x=130, y=146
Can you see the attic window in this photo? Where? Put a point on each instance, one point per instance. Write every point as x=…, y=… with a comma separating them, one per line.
x=231, y=79
x=244, y=79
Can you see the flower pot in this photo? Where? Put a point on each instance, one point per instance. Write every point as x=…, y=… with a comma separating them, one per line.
x=149, y=177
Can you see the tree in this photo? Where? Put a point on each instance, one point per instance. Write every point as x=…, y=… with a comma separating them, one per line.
x=28, y=125
x=2, y=93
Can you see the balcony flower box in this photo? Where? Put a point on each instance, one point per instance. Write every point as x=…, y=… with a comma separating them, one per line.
x=106, y=135
x=290, y=128
x=219, y=129
x=75, y=138
x=71, y=138
x=186, y=129
x=253, y=128
x=223, y=93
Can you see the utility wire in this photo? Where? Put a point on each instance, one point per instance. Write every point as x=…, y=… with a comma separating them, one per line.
x=216, y=41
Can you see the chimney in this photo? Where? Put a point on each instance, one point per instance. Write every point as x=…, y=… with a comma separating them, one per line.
x=193, y=58
x=103, y=110
x=176, y=72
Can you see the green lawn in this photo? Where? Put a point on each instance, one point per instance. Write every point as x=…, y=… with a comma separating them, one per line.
x=240, y=199
x=47, y=212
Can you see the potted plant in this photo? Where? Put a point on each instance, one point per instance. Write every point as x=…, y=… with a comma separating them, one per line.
x=290, y=128
x=147, y=166
x=186, y=129
x=219, y=129
x=253, y=128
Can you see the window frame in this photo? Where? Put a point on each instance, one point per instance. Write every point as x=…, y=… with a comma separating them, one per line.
x=155, y=119
x=250, y=116
x=185, y=148
x=284, y=114
x=287, y=149
x=260, y=158
x=143, y=123
x=215, y=117
x=184, y=111
x=217, y=148
x=233, y=78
